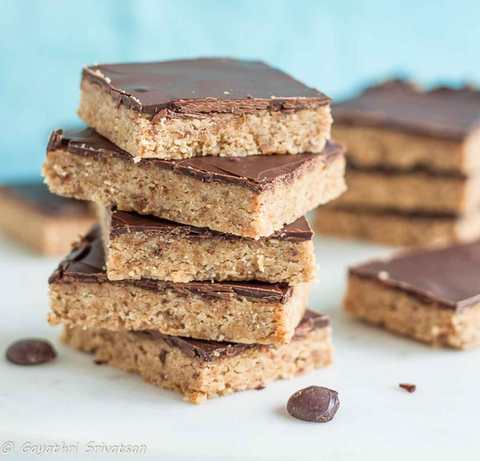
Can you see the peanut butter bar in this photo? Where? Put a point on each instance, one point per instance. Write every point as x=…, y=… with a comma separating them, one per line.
x=205, y=369
x=244, y=312
x=400, y=126
x=190, y=108
x=44, y=222
x=390, y=227
x=138, y=246
x=250, y=197
x=431, y=295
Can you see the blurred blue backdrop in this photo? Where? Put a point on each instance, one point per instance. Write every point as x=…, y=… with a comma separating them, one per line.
x=336, y=45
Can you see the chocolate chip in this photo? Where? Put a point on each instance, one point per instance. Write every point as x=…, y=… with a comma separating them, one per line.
x=30, y=352
x=99, y=362
x=316, y=404
x=408, y=387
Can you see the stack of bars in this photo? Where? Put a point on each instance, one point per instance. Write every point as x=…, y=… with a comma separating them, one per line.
x=198, y=276
x=413, y=166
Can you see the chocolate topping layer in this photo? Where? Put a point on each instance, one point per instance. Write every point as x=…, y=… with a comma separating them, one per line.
x=86, y=264
x=441, y=112
x=123, y=222
x=448, y=276
x=203, y=86
x=37, y=196
x=208, y=351
x=258, y=172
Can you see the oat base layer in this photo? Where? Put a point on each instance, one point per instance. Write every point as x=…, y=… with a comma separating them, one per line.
x=117, y=306
x=374, y=147
x=168, y=367
x=406, y=315
x=394, y=228
x=139, y=255
x=227, y=135
x=413, y=192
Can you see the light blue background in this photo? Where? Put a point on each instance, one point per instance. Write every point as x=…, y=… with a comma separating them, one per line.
x=336, y=46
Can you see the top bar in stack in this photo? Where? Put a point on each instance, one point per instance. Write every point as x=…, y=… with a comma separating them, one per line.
x=399, y=126
x=190, y=108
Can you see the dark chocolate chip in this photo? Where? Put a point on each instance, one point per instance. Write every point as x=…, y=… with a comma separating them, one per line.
x=30, y=352
x=99, y=362
x=408, y=387
x=315, y=403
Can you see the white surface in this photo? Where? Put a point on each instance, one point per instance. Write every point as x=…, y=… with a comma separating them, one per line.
x=74, y=400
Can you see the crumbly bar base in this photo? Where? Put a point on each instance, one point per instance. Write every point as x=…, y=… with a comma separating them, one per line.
x=238, y=135
x=168, y=367
x=373, y=147
x=176, y=258
x=406, y=315
x=411, y=192
x=226, y=208
x=41, y=233
x=396, y=229
x=118, y=306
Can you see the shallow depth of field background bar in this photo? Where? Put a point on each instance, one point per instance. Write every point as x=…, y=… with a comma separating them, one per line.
x=337, y=46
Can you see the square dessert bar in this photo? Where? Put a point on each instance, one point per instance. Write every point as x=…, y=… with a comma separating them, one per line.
x=138, y=246
x=205, y=369
x=189, y=108
x=250, y=197
x=46, y=223
x=244, y=312
x=400, y=126
x=391, y=227
x=431, y=295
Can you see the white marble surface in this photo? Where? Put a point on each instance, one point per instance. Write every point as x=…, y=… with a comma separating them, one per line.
x=74, y=401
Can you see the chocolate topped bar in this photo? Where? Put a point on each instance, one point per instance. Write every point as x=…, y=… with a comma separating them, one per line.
x=203, y=86
x=208, y=351
x=450, y=113
x=257, y=172
x=123, y=222
x=37, y=196
x=447, y=276
x=86, y=263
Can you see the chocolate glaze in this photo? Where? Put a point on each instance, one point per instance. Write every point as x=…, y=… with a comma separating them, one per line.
x=441, y=112
x=123, y=222
x=448, y=276
x=197, y=87
x=86, y=264
x=209, y=351
x=37, y=196
x=256, y=173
